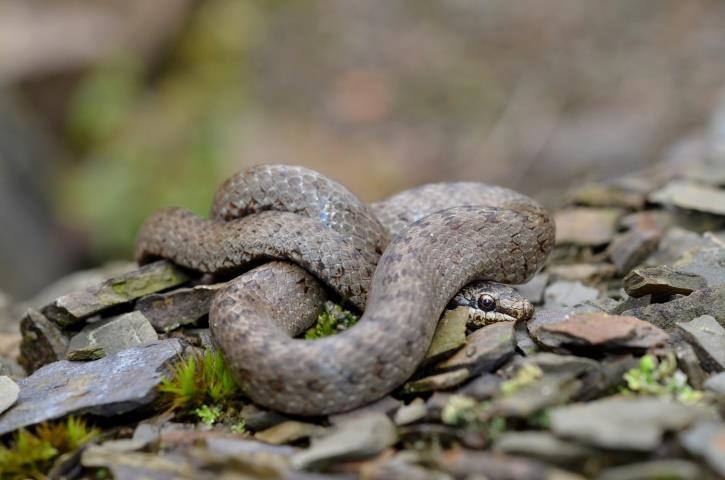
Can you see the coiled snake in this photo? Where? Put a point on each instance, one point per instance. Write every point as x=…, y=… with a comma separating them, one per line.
x=444, y=236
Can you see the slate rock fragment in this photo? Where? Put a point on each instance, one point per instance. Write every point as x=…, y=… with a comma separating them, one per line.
x=710, y=301
x=691, y=196
x=73, y=308
x=113, y=385
x=9, y=391
x=168, y=311
x=586, y=226
x=543, y=446
x=626, y=423
x=114, y=334
x=707, y=440
x=43, y=342
x=599, y=332
x=564, y=293
x=661, y=281
x=654, y=469
x=450, y=334
x=358, y=439
x=708, y=338
x=485, y=349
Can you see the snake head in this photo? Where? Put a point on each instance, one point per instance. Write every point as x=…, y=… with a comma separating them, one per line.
x=490, y=302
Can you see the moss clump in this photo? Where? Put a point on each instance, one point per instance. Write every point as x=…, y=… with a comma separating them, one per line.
x=202, y=389
x=661, y=378
x=525, y=376
x=199, y=380
x=334, y=319
x=30, y=454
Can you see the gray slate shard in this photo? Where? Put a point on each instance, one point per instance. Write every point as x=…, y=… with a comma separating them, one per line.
x=485, y=349
x=707, y=440
x=113, y=385
x=184, y=306
x=43, y=342
x=625, y=423
x=114, y=334
x=8, y=393
x=708, y=338
x=75, y=307
x=710, y=301
x=654, y=469
x=360, y=438
x=661, y=281
x=707, y=262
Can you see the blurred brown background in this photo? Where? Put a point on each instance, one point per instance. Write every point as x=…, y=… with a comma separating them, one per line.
x=111, y=109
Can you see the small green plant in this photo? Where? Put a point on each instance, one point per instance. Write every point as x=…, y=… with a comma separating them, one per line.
x=30, y=454
x=240, y=427
x=334, y=319
x=466, y=412
x=526, y=375
x=661, y=378
x=198, y=381
x=208, y=415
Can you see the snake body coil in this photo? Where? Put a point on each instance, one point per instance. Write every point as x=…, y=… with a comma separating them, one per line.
x=270, y=213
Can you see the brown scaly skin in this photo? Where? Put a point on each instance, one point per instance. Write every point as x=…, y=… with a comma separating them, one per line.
x=498, y=235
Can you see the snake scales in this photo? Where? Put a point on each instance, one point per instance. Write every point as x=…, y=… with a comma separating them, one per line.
x=444, y=236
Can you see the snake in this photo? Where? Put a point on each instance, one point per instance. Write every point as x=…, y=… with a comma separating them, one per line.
x=288, y=238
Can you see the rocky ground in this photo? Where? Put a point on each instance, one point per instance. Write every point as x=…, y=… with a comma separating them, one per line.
x=619, y=375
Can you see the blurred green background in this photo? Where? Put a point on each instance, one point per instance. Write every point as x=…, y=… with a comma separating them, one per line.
x=111, y=109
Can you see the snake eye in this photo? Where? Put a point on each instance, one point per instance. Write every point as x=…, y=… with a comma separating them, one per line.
x=486, y=303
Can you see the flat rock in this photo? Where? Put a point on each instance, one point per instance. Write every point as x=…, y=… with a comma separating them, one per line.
x=288, y=432
x=114, y=334
x=716, y=383
x=361, y=438
x=601, y=332
x=75, y=307
x=586, y=226
x=440, y=381
x=624, y=423
x=43, y=342
x=708, y=338
x=564, y=293
x=661, y=281
x=688, y=362
x=543, y=446
x=675, y=469
x=583, y=272
x=707, y=262
x=470, y=464
x=386, y=405
x=675, y=242
x=11, y=368
x=710, y=301
x=485, y=350
x=631, y=248
x=482, y=387
x=691, y=196
x=450, y=334
x=168, y=311
x=135, y=465
x=707, y=440
x=533, y=290
x=113, y=385
x=9, y=391
x=608, y=195
x=414, y=411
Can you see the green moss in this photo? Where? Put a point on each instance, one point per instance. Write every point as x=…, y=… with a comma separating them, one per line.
x=334, y=319
x=208, y=415
x=662, y=378
x=198, y=381
x=30, y=454
x=525, y=376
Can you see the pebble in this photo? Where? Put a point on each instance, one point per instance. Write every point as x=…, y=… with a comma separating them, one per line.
x=113, y=385
x=543, y=446
x=114, y=334
x=441, y=381
x=288, y=432
x=414, y=411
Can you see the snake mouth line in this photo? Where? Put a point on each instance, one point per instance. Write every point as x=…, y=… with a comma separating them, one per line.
x=478, y=318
